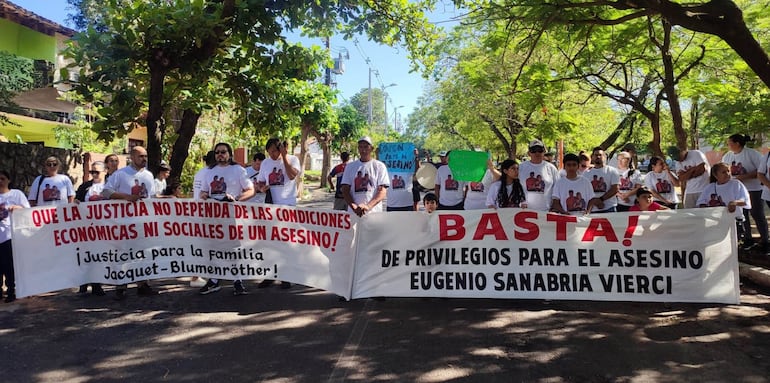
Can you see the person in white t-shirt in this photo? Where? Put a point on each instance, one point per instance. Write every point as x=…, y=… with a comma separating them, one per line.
x=537, y=177
x=692, y=169
x=478, y=192
x=604, y=180
x=631, y=180
x=225, y=181
x=94, y=193
x=365, y=181
x=401, y=193
x=132, y=183
x=726, y=191
x=449, y=191
x=51, y=188
x=10, y=200
x=278, y=173
x=744, y=163
x=161, y=180
x=572, y=193
x=209, y=160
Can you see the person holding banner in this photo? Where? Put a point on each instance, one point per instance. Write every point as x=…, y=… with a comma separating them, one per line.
x=726, y=191
x=121, y=185
x=507, y=192
x=228, y=183
x=449, y=191
x=93, y=192
x=10, y=200
x=573, y=193
x=479, y=192
x=744, y=165
x=630, y=181
x=51, y=188
x=537, y=177
x=604, y=180
x=365, y=181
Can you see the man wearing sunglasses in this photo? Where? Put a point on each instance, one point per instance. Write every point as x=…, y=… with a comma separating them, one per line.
x=51, y=188
x=537, y=177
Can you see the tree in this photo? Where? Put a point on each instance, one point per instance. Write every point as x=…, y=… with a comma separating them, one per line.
x=146, y=55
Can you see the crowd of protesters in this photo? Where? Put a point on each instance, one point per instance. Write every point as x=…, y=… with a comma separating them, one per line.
x=588, y=183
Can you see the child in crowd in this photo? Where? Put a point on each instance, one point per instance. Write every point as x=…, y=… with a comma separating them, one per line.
x=644, y=202
x=430, y=202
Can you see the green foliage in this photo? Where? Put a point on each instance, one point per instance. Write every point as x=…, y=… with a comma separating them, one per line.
x=16, y=75
x=81, y=135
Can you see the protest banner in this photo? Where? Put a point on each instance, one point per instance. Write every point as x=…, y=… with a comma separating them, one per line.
x=519, y=253
x=468, y=165
x=398, y=157
x=116, y=242
x=670, y=256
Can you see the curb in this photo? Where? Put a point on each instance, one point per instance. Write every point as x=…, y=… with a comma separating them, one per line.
x=756, y=274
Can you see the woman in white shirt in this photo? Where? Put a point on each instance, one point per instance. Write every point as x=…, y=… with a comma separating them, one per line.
x=743, y=163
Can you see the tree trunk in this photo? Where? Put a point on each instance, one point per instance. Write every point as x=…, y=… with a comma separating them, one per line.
x=669, y=88
x=181, y=149
x=694, y=120
x=155, y=125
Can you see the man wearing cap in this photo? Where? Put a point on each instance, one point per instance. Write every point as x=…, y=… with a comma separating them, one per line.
x=537, y=177
x=365, y=181
x=160, y=179
x=605, y=181
x=693, y=170
x=449, y=191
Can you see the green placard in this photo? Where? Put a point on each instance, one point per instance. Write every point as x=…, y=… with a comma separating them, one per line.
x=467, y=165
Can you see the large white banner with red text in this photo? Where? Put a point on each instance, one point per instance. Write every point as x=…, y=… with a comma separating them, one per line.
x=117, y=242
x=681, y=256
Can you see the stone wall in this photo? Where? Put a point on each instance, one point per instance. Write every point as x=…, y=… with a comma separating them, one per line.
x=25, y=162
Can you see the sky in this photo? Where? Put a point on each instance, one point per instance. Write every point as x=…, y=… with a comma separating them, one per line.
x=389, y=65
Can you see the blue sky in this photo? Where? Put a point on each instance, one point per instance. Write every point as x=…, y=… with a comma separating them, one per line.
x=391, y=63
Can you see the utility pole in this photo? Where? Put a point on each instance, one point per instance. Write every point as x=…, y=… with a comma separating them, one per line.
x=370, y=94
x=385, y=97
x=328, y=80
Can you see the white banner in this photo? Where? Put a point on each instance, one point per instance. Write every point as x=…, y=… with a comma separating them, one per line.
x=118, y=242
x=681, y=256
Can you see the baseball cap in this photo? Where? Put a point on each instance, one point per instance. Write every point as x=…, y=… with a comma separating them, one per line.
x=367, y=139
x=536, y=143
x=442, y=153
x=164, y=165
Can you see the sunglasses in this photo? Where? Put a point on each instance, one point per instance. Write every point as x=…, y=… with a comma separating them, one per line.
x=537, y=150
x=221, y=152
x=51, y=164
x=94, y=172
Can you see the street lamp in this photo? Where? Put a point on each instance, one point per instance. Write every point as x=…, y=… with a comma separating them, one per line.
x=385, y=97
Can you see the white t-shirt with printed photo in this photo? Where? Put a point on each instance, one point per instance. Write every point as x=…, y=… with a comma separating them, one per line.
x=627, y=183
x=273, y=173
x=223, y=180
x=452, y=191
x=661, y=183
x=128, y=180
x=476, y=197
x=601, y=180
x=694, y=158
x=720, y=195
x=94, y=192
x=400, y=190
x=573, y=194
x=52, y=190
x=364, y=179
x=765, y=169
x=537, y=180
x=747, y=161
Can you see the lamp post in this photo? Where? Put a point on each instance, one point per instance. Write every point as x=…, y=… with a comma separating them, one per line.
x=385, y=97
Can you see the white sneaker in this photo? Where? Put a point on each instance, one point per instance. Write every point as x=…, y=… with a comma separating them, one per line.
x=200, y=282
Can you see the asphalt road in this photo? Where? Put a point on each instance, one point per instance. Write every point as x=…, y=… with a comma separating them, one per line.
x=308, y=335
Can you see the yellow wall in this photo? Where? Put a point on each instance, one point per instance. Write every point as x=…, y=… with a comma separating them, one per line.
x=31, y=130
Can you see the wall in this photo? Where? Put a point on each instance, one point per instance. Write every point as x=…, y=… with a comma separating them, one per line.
x=24, y=163
x=26, y=42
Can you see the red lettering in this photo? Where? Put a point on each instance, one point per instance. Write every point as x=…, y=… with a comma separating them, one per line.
x=600, y=227
x=490, y=224
x=521, y=220
x=561, y=224
x=453, y=223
